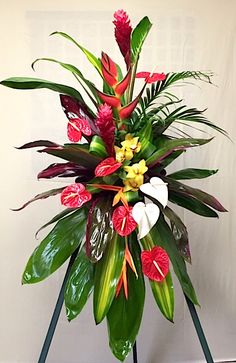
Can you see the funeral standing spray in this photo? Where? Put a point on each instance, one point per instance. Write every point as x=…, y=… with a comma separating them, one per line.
x=118, y=212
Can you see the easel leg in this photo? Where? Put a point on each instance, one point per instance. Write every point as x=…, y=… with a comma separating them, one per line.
x=199, y=330
x=56, y=313
x=135, y=355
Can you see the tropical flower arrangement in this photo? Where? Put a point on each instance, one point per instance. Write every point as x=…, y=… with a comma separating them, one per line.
x=118, y=214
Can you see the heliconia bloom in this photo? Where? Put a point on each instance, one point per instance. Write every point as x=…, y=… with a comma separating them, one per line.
x=151, y=77
x=146, y=216
x=155, y=263
x=107, y=167
x=109, y=70
x=75, y=195
x=127, y=110
x=123, y=281
x=112, y=101
x=121, y=87
x=156, y=189
x=123, y=221
x=106, y=125
x=76, y=127
x=123, y=31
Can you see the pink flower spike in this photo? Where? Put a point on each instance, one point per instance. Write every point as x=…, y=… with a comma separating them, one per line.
x=155, y=263
x=106, y=126
x=151, y=77
x=75, y=195
x=107, y=167
x=123, y=221
x=123, y=31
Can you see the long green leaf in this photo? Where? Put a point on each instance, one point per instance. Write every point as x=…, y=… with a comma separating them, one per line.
x=191, y=173
x=36, y=83
x=75, y=153
x=138, y=37
x=192, y=204
x=91, y=58
x=180, y=233
x=74, y=70
x=200, y=195
x=162, y=236
x=124, y=317
x=56, y=247
x=79, y=285
x=55, y=219
x=163, y=292
x=107, y=274
x=173, y=145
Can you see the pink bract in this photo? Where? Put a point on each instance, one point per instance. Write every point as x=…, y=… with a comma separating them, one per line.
x=155, y=263
x=123, y=221
x=75, y=195
x=106, y=126
x=123, y=31
x=107, y=167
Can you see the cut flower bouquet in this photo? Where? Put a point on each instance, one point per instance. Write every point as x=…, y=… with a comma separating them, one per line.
x=118, y=215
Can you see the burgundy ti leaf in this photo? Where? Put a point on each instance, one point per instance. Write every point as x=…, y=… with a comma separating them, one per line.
x=63, y=170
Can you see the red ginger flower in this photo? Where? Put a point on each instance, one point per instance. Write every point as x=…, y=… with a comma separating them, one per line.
x=106, y=125
x=123, y=31
x=75, y=195
x=155, y=263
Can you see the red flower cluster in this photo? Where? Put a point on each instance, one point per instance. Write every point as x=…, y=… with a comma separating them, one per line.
x=106, y=126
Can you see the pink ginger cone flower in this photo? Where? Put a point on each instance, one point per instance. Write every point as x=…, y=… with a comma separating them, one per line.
x=123, y=31
x=106, y=125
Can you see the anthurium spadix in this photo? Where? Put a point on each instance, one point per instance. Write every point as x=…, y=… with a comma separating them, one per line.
x=156, y=189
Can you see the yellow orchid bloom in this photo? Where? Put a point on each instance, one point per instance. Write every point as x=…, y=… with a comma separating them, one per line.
x=135, y=176
x=130, y=146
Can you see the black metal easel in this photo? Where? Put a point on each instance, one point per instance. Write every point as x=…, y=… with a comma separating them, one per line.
x=57, y=311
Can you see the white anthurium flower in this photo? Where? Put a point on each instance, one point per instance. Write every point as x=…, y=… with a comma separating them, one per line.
x=156, y=189
x=146, y=216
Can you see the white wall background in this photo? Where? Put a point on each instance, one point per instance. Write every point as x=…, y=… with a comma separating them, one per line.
x=187, y=34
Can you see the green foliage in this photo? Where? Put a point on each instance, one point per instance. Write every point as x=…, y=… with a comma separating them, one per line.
x=56, y=247
x=124, y=316
x=79, y=285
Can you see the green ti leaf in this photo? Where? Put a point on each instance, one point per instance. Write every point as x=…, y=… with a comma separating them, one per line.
x=79, y=285
x=56, y=247
x=138, y=37
x=124, y=316
x=36, y=83
x=107, y=274
x=191, y=173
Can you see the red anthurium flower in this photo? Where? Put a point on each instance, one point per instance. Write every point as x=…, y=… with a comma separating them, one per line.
x=151, y=77
x=155, y=263
x=107, y=167
x=123, y=31
x=75, y=195
x=123, y=220
x=76, y=127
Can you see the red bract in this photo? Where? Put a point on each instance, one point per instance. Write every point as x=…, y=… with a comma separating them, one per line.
x=107, y=167
x=123, y=220
x=76, y=127
x=75, y=195
x=123, y=31
x=106, y=126
x=109, y=70
x=155, y=263
x=151, y=77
